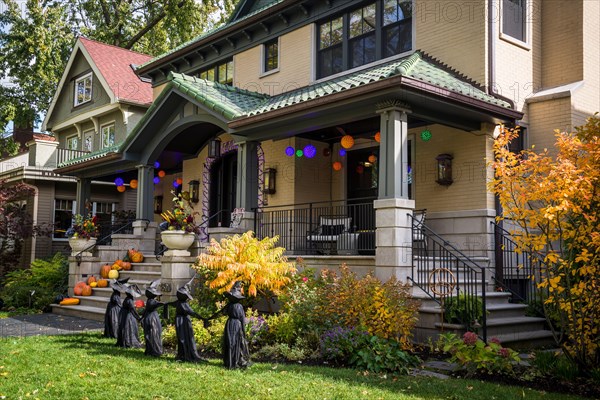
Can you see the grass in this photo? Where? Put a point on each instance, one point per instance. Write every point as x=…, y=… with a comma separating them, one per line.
x=88, y=366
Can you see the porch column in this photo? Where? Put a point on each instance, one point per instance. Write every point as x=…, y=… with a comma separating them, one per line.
x=83, y=196
x=247, y=182
x=145, y=191
x=393, y=236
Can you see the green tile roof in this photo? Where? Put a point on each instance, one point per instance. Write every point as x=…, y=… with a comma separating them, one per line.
x=91, y=156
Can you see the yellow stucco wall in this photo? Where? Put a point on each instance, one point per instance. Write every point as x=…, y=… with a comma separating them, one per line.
x=294, y=65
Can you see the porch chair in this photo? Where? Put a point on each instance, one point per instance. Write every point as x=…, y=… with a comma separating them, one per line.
x=325, y=237
x=418, y=237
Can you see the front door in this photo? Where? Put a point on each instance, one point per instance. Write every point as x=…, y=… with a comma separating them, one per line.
x=223, y=183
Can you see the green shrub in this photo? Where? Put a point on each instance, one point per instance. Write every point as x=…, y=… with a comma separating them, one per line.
x=36, y=287
x=463, y=309
x=382, y=355
x=207, y=339
x=339, y=345
x=282, y=328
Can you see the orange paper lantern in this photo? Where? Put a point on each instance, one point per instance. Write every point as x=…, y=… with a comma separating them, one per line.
x=347, y=141
x=121, y=189
x=161, y=174
x=372, y=158
x=337, y=165
x=179, y=181
x=133, y=183
x=378, y=137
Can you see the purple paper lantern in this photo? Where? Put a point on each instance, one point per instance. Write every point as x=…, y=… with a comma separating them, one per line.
x=156, y=180
x=310, y=151
x=342, y=153
x=156, y=165
x=289, y=151
x=119, y=182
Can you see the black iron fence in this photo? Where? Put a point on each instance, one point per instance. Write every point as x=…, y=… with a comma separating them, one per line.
x=450, y=277
x=343, y=227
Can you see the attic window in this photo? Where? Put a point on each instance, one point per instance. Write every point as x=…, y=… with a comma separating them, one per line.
x=83, y=89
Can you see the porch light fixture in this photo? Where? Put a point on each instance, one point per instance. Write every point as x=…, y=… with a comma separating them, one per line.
x=194, y=191
x=269, y=180
x=444, y=169
x=214, y=148
x=158, y=204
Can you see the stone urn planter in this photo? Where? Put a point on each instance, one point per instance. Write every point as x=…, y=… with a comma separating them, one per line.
x=178, y=242
x=78, y=245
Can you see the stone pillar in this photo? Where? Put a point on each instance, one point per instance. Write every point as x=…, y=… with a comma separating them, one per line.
x=175, y=272
x=145, y=232
x=79, y=271
x=247, y=176
x=393, y=237
x=83, y=196
x=145, y=193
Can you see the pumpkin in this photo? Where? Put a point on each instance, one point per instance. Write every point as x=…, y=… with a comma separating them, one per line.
x=102, y=282
x=94, y=284
x=135, y=256
x=139, y=303
x=113, y=274
x=117, y=265
x=126, y=265
x=86, y=291
x=78, y=289
x=69, y=301
x=91, y=279
x=104, y=270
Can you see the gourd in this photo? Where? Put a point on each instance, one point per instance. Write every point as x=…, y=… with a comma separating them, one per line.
x=86, y=291
x=69, y=301
x=94, y=284
x=113, y=274
x=104, y=270
x=117, y=265
x=91, y=279
x=78, y=289
x=135, y=256
x=102, y=283
x=126, y=265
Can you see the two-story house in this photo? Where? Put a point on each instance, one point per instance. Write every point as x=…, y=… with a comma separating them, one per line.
x=97, y=103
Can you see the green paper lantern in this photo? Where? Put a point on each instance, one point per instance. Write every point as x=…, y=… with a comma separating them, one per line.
x=426, y=135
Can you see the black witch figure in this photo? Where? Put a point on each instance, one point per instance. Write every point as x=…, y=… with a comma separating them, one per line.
x=235, y=344
x=111, y=317
x=151, y=321
x=129, y=335
x=186, y=344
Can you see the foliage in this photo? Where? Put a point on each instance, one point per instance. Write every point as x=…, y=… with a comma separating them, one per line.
x=281, y=328
x=554, y=199
x=16, y=223
x=339, y=345
x=383, y=355
x=256, y=329
x=258, y=264
x=183, y=214
x=8, y=145
x=38, y=37
x=383, y=309
x=463, y=309
x=37, y=286
x=83, y=228
x=208, y=339
x=474, y=355
x=282, y=351
x=554, y=364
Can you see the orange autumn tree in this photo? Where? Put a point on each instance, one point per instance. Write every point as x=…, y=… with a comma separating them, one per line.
x=554, y=199
x=258, y=264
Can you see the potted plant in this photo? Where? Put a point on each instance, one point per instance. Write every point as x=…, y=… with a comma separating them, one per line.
x=82, y=235
x=181, y=228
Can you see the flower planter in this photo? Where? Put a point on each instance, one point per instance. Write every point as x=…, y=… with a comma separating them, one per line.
x=78, y=245
x=179, y=241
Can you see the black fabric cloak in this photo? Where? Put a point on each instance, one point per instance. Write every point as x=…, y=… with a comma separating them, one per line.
x=235, y=344
x=186, y=344
x=111, y=317
x=129, y=335
x=152, y=328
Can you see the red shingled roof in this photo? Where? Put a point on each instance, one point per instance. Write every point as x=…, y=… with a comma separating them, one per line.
x=114, y=63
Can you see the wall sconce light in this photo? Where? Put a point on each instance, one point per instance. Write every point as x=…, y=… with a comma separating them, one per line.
x=194, y=191
x=158, y=204
x=444, y=169
x=214, y=148
x=269, y=180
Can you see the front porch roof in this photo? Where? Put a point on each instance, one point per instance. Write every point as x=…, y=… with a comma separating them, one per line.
x=236, y=109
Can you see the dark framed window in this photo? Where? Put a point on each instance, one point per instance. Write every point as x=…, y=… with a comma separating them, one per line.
x=514, y=14
x=63, y=217
x=361, y=36
x=222, y=73
x=271, y=55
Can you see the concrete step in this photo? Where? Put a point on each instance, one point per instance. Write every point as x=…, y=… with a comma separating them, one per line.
x=506, y=310
x=511, y=325
x=492, y=298
x=528, y=340
x=93, y=301
x=140, y=276
x=88, y=312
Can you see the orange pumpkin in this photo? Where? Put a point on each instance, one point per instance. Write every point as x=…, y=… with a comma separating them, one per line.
x=126, y=265
x=104, y=270
x=135, y=256
x=69, y=301
x=91, y=279
x=102, y=282
x=86, y=291
x=117, y=265
x=78, y=289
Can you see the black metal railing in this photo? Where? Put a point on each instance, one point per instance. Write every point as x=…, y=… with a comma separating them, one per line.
x=344, y=227
x=517, y=271
x=64, y=155
x=107, y=238
x=449, y=276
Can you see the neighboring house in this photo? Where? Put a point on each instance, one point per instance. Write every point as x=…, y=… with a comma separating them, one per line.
x=412, y=88
x=98, y=101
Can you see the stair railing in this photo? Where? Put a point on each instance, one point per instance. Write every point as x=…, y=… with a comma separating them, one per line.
x=106, y=238
x=469, y=289
x=517, y=270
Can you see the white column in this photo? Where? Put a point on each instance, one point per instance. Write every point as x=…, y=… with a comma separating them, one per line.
x=145, y=192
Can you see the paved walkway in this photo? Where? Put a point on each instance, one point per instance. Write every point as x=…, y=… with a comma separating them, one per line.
x=46, y=324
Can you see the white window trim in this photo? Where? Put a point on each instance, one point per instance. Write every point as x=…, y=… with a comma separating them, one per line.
x=83, y=78
x=108, y=124
x=85, y=133
x=69, y=138
x=528, y=20
x=263, y=66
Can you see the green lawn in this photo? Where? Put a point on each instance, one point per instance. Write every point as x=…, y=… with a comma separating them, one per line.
x=87, y=366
